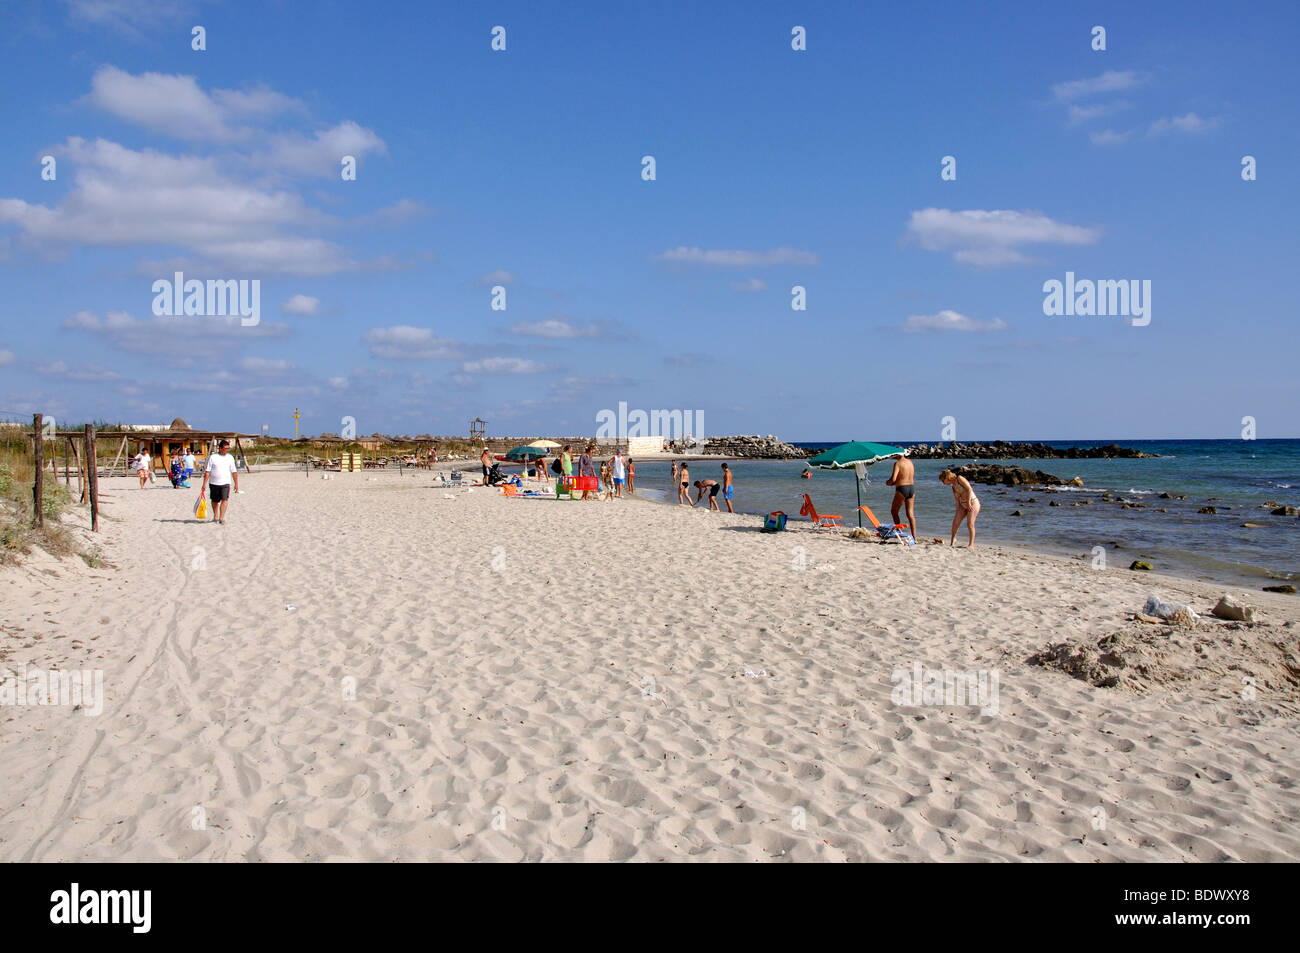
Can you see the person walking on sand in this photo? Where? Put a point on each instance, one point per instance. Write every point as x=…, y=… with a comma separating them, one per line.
x=217, y=478
x=607, y=480
x=485, y=458
x=618, y=470
x=188, y=460
x=631, y=477
x=684, y=484
x=586, y=468
x=968, y=505
x=903, y=480
x=138, y=463
x=728, y=487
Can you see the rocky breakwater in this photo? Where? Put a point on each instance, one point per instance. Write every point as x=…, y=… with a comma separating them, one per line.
x=1006, y=450
x=749, y=447
x=996, y=474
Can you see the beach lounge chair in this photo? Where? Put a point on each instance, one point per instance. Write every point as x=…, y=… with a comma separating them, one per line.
x=820, y=520
x=899, y=531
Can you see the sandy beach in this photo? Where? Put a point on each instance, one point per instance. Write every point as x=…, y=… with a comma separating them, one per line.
x=374, y=668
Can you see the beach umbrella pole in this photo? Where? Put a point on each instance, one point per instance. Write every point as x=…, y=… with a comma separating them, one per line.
x=859, y=484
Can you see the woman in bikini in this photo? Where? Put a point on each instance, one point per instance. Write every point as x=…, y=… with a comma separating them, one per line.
x=684, y=484
x=968, y=504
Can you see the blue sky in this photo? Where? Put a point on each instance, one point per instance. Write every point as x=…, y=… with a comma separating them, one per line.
x=775, y=168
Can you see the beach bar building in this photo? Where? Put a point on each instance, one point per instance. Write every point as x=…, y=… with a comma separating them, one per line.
x=176, y=438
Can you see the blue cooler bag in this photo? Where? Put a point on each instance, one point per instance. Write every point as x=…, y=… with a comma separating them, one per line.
x=774, y=523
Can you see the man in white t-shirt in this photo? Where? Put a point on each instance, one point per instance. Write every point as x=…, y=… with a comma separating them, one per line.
x=619, y=473
x=217, y=478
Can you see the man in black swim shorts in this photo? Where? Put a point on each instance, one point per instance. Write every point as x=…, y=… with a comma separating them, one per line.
x=903, y=480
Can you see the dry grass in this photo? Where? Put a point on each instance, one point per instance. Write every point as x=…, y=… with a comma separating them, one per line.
x=17, y=535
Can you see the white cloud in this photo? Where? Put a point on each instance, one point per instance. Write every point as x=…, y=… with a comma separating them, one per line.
x=123, y=197
x=321, y=154
x=405, y=342
x=129, y=17
x=1191, y=124
x=1082, y=114
x=947, y=320
x=991, y=238
x=749, y=285
x=1108, y=82
x=738, y=259
x=399, y=212
x=1107, y=137
x=7, y=357
x=86, y=372
x=502, y=365
x=498, y=277
x=168, y=334
x=339, y=382
x=302, y=305
x=174, y=104
x=264, y=365
x=555, y=328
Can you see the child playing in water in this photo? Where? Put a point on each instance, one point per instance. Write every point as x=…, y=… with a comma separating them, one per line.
x=968, y=504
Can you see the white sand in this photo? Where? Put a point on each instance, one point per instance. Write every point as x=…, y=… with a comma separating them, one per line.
x=588, y=701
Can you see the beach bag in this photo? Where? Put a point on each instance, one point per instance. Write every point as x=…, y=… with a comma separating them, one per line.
x=201, y=507
x=774, y=523
x=555, y=467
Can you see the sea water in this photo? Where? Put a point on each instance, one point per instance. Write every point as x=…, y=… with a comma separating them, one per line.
x=1237, y=477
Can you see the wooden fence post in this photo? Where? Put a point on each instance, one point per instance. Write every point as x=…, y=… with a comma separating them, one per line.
x=38, y=484
x=92, y=477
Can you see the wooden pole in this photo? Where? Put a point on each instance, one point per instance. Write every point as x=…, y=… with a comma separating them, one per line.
x=81, y=474
x=113, y=469
x=38, y=484
x=92, y=477
x=67, y=465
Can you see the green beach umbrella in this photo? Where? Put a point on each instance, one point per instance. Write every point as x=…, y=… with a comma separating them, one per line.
x=525, y=453
x=851, y=455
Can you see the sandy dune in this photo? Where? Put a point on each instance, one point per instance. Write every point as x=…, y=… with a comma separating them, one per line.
x=567, y=681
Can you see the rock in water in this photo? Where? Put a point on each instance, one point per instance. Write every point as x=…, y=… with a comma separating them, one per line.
x=1140, y=564
x=1233, y=610
x=1285, y=511
x=1207, y=509
x=1286, y=589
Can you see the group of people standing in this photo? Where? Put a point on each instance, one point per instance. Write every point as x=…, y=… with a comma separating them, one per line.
x=180, y=467
x=681, y=480
x=615, y=473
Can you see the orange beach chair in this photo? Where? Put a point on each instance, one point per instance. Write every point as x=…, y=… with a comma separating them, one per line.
x=899, y=531
x=820, y=520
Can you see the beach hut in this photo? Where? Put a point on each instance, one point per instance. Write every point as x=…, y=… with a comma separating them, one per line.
x=175, y=438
